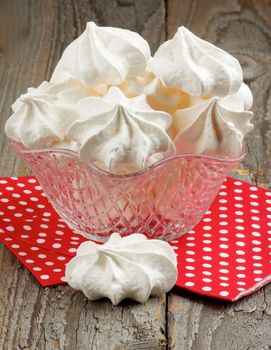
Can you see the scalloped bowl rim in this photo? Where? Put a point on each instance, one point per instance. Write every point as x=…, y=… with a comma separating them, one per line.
x=19, y=148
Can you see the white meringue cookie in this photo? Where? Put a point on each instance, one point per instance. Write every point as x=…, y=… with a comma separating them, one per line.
x=239, y=102
x=120, y=132
x=104, y=55
x=42, y=115
x=212, y=128
x=131, y=267
x=196, y=66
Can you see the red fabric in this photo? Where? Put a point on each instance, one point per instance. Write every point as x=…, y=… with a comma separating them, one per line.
x=227, y=255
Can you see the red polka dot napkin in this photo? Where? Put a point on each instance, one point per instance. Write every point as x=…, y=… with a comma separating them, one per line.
x=227, y=255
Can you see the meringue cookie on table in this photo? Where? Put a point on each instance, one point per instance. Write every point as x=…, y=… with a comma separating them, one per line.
x=42, y=115
x=131, y=267
x=196, y=66
x=120, y=132
x=216, y=127
x=105, y=55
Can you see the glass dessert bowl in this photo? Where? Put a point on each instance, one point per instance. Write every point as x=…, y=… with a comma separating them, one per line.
x=163, y=201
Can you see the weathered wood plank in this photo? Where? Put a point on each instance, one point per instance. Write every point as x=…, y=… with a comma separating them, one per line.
x=243, y=29
x=33, y=34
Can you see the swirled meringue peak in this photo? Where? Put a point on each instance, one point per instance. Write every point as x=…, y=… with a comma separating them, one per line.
x=120, y=132
x=196, y=66
x=42, y=116
x=215, y=127
x=131, y=267
x=105, y=55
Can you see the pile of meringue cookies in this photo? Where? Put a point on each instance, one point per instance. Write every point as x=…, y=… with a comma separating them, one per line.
x=119, y=108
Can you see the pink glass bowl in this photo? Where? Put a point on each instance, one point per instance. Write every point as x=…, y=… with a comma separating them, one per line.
x=162, y=201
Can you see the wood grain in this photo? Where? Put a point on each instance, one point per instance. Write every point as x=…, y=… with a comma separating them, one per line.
x=33, y=34
x=243, y=29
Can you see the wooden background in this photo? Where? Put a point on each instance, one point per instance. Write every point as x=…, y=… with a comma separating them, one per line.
x=33, y=34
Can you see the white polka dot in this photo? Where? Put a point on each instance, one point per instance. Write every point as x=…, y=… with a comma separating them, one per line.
x=240, y=244
x=223, y=231
x=4, y=200
x=207, y=273
x=10, y=228
x=35, y=248
x=254, y=204
x=207, y=258
x=256, y=226
x=207, y=288
x=207, y=235
x=240, y=235
x=187, y=244
x=240, y=221
x=56, y=245
x=29, y=261
x=223, y=263
x=223, y=216
x=224, y=284
x=223, y=208
x=222, y=193
x=240, y=252
x=238, y=212
x=224, y=239
x=257, y=272
x=189, y=274
x=224, y=271
x=27, y=191
x=27, y=227
x=63, y=279
x=3, y=182
x=19, y=184
x=223, y=255
x=256, y=249
x=42, y=256
x=224, y=278
x=44, y=277
x=207, y=228
x=41, y=206
x=6, y=220
x=241, y=275
x=57, y=270
x=189, y=284
x=241, y=283
x=49, y=263
x=22, y=254
x=238, y=183
x=18, y=215
x=224, y=293
x=73, y=250
x=32, y=181
x=223, y=201
x=253, y=196
x=46, y=214
x=258, y=279
x=254, y=241
x=61, y=258
x=208, y=266
x=40, y=240
x=34, y=199
x=257, y=264
x=29, y=210
x=257, y=257
x=240, y=268
x=238, y=190
x=207, y=249
x=223, y=246
x=253, y=188
x=238, y=205
x=207, y=280
x=254, y=211
x=24, y=236
x=60, y=233
x=207, y=241
x=15, y=246
x=38, y=188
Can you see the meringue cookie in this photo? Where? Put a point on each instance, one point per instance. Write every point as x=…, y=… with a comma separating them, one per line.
x=196, y=66
x=214, y=127
x=120, y=132
x=131, y=267
x=42, y=115
x=104, y=55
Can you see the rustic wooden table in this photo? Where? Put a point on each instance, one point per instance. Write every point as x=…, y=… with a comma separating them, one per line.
x=33, y=34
